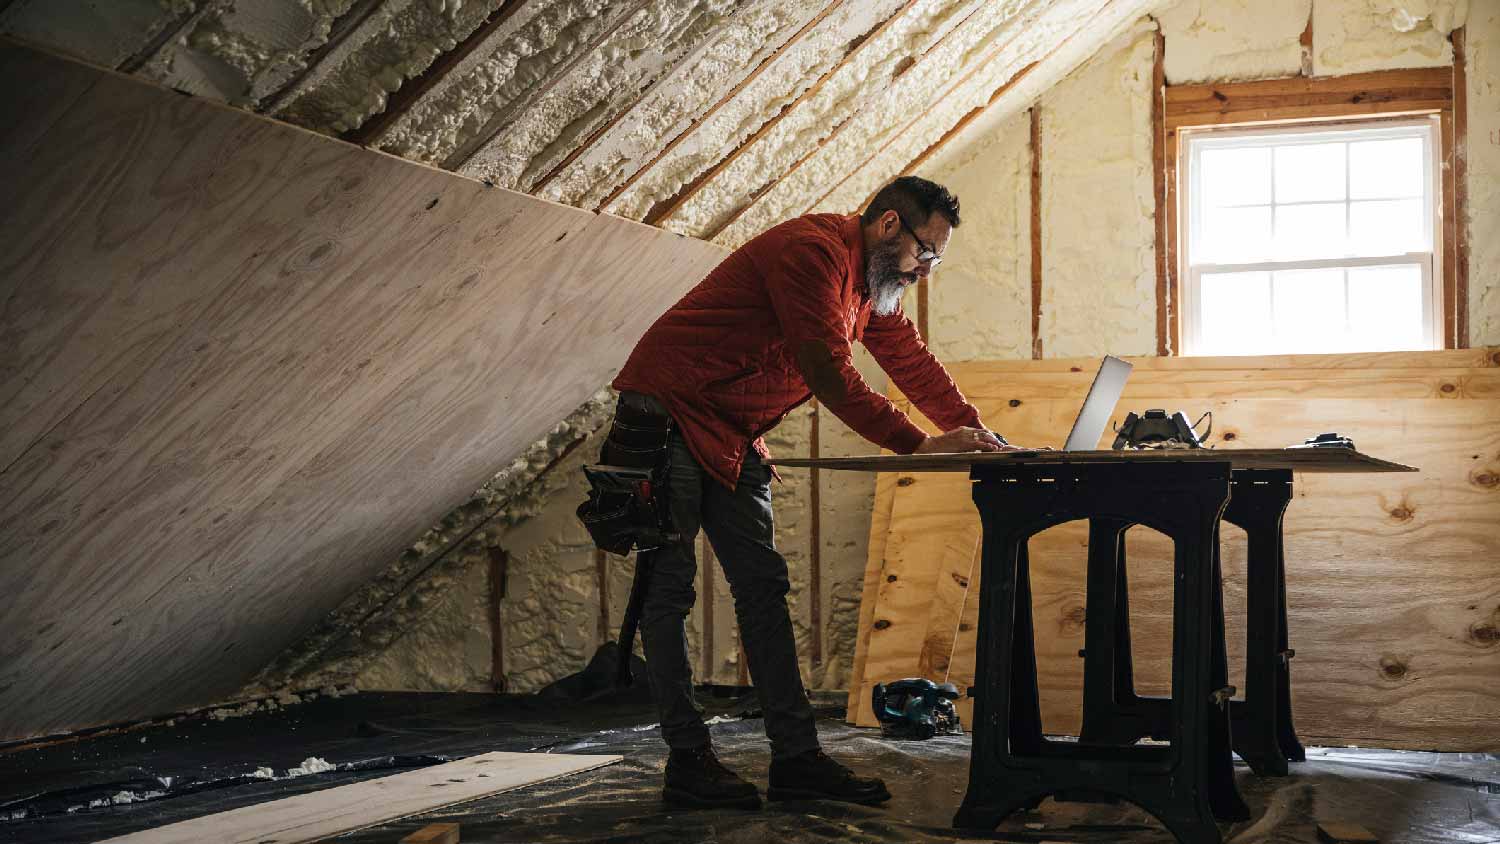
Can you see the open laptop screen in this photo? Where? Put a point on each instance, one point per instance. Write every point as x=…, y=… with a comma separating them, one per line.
x=1098, y=405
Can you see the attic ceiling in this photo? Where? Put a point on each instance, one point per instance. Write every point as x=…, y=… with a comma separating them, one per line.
x=710, y=118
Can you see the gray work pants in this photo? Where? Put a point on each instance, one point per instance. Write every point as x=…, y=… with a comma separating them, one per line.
x=739, y=526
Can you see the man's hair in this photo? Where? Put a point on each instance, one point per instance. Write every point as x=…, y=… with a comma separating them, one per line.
x=915, y=199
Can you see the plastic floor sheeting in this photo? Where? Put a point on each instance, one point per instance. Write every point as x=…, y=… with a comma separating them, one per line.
x=106, y=785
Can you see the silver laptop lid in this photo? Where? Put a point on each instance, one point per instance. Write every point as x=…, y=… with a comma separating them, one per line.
x=1098, y=405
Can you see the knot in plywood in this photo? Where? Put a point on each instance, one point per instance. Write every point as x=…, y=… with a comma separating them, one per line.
x=1393, y=667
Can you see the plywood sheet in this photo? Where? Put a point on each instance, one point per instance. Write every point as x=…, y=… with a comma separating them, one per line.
x=345, y=808
x=1394, y=605
x=251, y=364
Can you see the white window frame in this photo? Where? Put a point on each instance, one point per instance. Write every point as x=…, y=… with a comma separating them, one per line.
x=1195, y=139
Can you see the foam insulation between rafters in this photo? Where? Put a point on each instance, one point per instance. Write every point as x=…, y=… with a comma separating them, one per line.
x=788, y=77
x=500, y=78
x=736, y=48
x=845, y=95
x=400, y=41
x=1070, y=49
x=106, y=34
x=644, y=46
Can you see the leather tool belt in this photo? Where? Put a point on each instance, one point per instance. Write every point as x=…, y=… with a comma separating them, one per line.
x=627, y=508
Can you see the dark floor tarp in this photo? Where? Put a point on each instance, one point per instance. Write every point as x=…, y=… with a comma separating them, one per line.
x=199, y=766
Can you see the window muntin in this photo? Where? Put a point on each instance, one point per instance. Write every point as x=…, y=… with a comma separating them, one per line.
x=1311, y=239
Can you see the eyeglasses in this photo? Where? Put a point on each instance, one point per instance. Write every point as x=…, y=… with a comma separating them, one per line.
x=925, y=254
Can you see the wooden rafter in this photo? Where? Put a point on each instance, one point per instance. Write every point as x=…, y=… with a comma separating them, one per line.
x=502, y=118
x=140, y=58
x=1460, y=252
x=837, y=130
x=413, y=90
x=609, y=125
x=342, y=28
x=723, y=101
x=670, y=206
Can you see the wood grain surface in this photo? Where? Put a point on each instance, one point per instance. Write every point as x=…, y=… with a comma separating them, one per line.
x=323, y=814
x=1394, y=595
x=250, y=365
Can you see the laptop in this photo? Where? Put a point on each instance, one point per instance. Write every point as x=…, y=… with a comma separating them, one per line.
x=1098, y=405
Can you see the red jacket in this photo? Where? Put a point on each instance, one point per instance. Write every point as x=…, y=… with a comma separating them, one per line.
x=721, y=359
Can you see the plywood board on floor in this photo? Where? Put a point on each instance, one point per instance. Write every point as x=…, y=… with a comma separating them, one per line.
x=345, y=808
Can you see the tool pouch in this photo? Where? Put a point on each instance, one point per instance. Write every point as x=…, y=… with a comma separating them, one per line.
x=626, y=509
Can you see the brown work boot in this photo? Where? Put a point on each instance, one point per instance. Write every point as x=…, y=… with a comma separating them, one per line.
x=814, y=776
x=696, y=778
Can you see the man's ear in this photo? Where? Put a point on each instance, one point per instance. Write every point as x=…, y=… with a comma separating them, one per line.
x=890, y=223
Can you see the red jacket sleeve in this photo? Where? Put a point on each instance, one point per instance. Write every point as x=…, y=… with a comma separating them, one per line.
x=899, y=350
x=804, y=289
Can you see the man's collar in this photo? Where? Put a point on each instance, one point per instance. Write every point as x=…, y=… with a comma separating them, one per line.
x=854, y=238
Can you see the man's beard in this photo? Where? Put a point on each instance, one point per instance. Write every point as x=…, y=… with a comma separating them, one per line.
x=884, y=278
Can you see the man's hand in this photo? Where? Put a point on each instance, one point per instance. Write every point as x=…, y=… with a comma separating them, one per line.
x=963, y=439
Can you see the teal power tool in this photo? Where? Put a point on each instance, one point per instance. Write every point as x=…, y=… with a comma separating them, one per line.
x=916, y=708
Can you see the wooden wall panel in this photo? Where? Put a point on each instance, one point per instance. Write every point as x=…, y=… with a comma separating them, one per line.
x=253, y=364
x=1393, y=589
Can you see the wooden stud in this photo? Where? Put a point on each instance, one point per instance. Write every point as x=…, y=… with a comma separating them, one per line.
x=707, y=651
x=815, y=549
x=499, y=564
x=1460, y=254
x=434, y=833
x=505, y=116
x=412, y=90
x=601, y=579
x=669, y=206
x=1159, y=190
x=357, y=14
x=1306, y=40
x=1036, y=232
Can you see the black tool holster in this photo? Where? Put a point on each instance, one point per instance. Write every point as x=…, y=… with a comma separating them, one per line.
x=627, y=508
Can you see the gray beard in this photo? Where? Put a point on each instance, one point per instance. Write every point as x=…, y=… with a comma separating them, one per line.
x=884, y=278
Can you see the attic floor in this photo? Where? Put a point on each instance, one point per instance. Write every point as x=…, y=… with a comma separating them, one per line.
x=1401, y=796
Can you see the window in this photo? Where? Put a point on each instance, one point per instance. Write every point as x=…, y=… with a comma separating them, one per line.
x=1311, y=239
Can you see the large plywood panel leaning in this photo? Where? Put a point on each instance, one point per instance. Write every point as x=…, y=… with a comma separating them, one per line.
x=245, y=364
x=1393, y=581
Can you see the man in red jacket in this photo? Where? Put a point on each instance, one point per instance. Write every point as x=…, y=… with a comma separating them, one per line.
x=766, y=330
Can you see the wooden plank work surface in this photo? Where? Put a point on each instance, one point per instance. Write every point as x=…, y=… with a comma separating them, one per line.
x=1296, y=459
x=333, y=811
x=1394, y=598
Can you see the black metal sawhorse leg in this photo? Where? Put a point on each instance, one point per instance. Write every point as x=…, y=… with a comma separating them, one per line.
x=1262, y=722
x=1185, y=785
